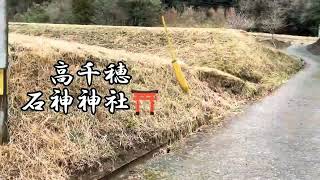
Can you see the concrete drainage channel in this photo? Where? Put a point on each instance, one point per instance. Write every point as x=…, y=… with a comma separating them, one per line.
x=121, y=168
x=127, y=167
x=137, y=157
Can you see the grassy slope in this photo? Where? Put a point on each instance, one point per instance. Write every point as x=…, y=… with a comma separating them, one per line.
x=215, y=48
x=225, y=68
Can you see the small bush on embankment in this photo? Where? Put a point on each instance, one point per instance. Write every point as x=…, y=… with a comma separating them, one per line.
x=52, y=145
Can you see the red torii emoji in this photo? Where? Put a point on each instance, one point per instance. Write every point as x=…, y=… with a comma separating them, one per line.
x=145, y=96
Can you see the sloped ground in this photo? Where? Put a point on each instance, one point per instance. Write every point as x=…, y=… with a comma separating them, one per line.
x=214, y=48
x=314, y=48
x=224, y=68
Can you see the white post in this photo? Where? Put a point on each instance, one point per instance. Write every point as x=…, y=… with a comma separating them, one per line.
x=319, y=31
x=4, y=136
x=3, y=35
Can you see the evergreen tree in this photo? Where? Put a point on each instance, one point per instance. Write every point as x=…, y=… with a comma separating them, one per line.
x=142, y=12
x=82, y=11
x=311, y=18
x=315, y=11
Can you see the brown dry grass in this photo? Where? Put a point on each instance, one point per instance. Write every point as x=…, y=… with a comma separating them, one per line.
x=214, y=48
x=224, y=69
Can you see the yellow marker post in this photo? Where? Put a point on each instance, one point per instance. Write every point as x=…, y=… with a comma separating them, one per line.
x=2, y=82
x=176, y=66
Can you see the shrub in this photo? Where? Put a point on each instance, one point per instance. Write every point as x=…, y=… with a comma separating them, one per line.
x=192, y=17
x=60, y=11
x=35, y=14
x=311, y=16
x=127, y=12
x=171, y=16
x=82, y=11
x=240, y=21
x=109, y=12
x=142, y=12
x=274, y=20
x=217, y=17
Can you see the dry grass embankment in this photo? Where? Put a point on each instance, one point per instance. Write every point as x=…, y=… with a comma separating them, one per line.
x=225, y=69
x=224, y=49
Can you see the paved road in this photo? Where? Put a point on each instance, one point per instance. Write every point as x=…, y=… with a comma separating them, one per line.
x=277, y=138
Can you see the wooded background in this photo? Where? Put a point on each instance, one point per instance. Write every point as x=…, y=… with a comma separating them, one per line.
x=299, y=17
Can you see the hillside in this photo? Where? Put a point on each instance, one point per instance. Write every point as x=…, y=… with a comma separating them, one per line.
x=214, y=48
x=225, y=69
x=315, y=47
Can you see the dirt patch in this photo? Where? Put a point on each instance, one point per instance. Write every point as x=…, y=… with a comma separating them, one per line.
x=276, y=43
x=297, y=40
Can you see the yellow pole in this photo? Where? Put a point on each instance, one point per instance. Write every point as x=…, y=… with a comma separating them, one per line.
x=176, y=66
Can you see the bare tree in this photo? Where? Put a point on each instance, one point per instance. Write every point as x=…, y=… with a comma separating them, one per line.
x=253, y=8
x=274, y=20
x=240, y=21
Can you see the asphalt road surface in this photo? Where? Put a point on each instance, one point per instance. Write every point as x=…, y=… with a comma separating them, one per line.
x=276, y=138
